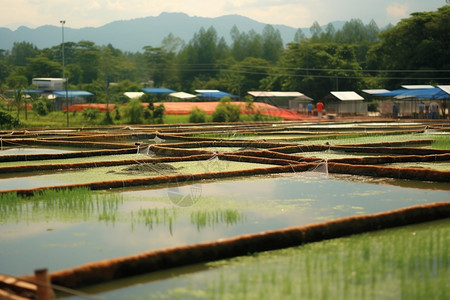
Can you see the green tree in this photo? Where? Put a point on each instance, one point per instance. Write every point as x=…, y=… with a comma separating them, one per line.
x=159, y=64
x=197, y=115
x=21, y=52
x=420, y=42
x=158, y=114
x=299, y=36
x=272, y=43
x=246, y=44
x=316, y=31
x=134, y=112
x=226, y=112
x=329, y=35
x=5, y=67
x=18, y=99
x=40, y=108
x=198, y=58
x=319, y=68
x=90, y=114
x=88, y=58
x=7, y=121
x=42, y=66
x=171, y=44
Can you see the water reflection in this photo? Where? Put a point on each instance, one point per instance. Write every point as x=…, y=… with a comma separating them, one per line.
x=62, y=231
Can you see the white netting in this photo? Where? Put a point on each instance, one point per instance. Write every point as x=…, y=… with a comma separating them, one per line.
x=145, y=150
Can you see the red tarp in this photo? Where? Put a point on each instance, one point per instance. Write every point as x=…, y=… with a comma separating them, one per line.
x=184, y=108
x=79, y=107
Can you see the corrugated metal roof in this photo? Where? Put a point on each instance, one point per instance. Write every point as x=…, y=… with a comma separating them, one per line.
x=413, y=87
x=375, y=91
x=427, y=93
x=72, y=93
x=133, y=95
x=33, y=91
x=275, y=94
x=347, y=96
x=445, y=88
x=182, y=95
x=207, y=91
x=158, y=90
x=214, y=94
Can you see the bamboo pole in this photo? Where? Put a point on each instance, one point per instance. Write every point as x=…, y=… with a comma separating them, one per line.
x=44, y=287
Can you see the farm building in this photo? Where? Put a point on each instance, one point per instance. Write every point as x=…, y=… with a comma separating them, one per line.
x=345, y=103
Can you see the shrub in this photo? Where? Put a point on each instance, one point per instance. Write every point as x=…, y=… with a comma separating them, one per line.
x=158, y=114
x=7, y=121
x=40, y=108
x=226, y=112
x=117, y=113
x=107, y=120
x=134, y=111
x=90, y=114
x=197, y=115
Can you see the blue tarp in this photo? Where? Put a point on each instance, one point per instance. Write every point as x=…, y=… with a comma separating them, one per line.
x=157, y=90
x=33, y=91
x=434, y=93
x=217, y=95
x=72, y=93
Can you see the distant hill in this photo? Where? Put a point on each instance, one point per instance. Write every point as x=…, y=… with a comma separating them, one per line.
x=133, y=35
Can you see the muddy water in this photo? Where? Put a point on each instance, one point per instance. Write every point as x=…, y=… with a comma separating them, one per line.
x=80, y=176
x=28, y=150
x=55, y=235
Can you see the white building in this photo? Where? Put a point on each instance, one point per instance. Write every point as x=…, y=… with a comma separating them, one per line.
x=49, y=84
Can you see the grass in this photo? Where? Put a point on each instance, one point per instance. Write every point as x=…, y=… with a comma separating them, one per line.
x=210, y=218
x=62, y=204
x=82, y=204
x=58, y=119
x=407, y=263
x=442, y=142
x=224, y=135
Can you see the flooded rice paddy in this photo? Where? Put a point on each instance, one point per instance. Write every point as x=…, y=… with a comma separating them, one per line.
x=64, y=234
x=59, y=230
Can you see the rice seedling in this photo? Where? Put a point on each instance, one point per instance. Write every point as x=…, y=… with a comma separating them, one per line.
x=204, y=218
x=224, y=135
x=62, y=204
x=155, y=216
x=406, y=263
x=442, y=142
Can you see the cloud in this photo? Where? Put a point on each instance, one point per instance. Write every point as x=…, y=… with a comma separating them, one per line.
x=116, y=5
x=397, y=10
x=94, y=5
x=293, y=13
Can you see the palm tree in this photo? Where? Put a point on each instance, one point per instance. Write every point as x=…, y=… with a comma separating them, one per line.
x=18, y=97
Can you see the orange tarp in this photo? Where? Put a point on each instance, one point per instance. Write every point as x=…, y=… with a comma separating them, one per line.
x=100, y=106
x=184, y=108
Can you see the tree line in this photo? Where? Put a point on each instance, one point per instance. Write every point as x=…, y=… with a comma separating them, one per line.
x=355, y=57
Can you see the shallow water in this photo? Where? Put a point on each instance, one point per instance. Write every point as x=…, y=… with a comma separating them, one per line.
x=75, y=160
x=28, y=150
x=35, y=235
x=79, y=176
x=193, y=282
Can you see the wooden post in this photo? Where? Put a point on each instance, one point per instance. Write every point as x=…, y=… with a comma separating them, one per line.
x=44, y=288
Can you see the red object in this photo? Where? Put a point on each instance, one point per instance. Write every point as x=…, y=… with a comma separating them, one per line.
x=319, y=106
x=79, y=107
x=184, y=108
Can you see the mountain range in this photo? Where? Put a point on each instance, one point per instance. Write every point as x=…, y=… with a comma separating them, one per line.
x=133, y=35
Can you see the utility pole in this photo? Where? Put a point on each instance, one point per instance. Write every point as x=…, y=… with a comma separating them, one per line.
x=63, y=75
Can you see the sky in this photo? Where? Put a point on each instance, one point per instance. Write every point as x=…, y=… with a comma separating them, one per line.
x=294, y=13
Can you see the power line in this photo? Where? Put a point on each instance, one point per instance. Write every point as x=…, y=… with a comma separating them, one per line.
x=317, y=69
x=284, y=74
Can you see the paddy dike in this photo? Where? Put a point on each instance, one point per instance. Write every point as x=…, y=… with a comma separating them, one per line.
x=245, y=185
